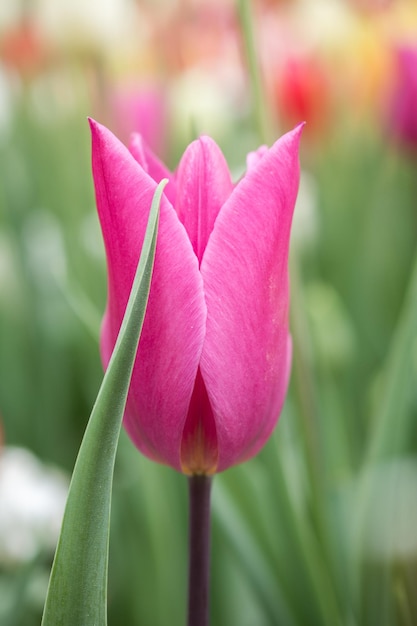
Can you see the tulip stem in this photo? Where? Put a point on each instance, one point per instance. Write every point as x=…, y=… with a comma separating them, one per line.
x=257, y=91
x=199, y=550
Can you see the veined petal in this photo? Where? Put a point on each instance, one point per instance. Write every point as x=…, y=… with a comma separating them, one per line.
x=174, y=326
x=247, y=351
x=152, y=165
x=203, y=185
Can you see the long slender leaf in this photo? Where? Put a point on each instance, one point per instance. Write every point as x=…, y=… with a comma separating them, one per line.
x=399, y=383
x=77, y=594
x=254, y=562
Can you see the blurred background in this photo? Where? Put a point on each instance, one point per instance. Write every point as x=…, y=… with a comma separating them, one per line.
x=320, y=528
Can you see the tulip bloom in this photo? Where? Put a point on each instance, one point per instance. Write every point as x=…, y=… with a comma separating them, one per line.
x=213, y=361
x=403, y=113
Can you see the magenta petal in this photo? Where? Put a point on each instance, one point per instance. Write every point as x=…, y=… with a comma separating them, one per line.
x=203, y=185
x=152, y=165
x=163, y=379
x=199, y=452
x=247, y=351
x=253, y=158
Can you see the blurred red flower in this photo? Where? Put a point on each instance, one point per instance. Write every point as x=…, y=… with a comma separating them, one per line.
x=302, y=93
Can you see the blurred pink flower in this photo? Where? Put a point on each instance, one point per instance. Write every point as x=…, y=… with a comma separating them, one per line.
x=403, y=108
x=141, y=109
x=214, y=357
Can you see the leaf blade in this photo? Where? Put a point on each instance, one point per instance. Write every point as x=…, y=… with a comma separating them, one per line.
x=77, y=593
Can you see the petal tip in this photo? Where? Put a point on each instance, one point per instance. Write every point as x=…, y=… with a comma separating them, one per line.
x=297, y=130
x=93, y=124
x=99, y=132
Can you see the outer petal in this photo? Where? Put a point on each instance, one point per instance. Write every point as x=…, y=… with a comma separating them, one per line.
x=163, y=380
x=203, y=185
x=247, y=351
x=152, y=165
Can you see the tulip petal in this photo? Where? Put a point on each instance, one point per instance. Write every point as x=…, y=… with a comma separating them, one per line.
x=247, y=351
x=203, y=185
x=152, y=165
x=253, y=158
x=199, y=450
x=174, y=326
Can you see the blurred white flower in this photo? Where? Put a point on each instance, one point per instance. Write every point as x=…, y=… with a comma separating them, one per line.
x=96, y=23
x=32, y=501
x=320, y=23
x=204, y=102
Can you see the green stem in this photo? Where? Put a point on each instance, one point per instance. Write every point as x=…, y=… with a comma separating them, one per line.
x=259, y=109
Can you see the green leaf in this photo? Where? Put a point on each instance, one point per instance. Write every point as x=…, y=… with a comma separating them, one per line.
x=393, y=417
x=77, y=594
x=250, y=556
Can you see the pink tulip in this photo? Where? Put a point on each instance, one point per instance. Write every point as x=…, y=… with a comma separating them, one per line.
x=403, y=113
x=142, y=109
x=214, y=357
